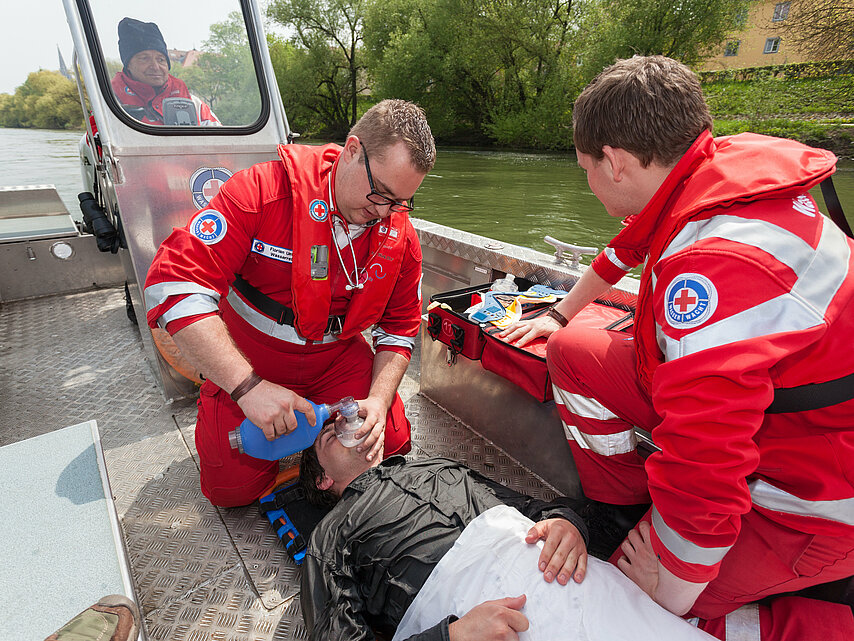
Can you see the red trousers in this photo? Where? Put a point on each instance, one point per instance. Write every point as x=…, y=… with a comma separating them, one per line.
x=599, y=401
x=785, y=619
x=323, y=374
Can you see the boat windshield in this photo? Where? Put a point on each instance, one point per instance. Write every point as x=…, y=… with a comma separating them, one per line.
x=177, y=63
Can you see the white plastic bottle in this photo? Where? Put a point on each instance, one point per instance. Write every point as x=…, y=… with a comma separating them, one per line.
x=346, y=430
x=506, y=284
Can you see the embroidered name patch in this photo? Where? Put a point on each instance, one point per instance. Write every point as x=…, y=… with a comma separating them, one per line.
x=205, y=183
x=209, y=226
x=318, y=210
x=690, y=300
x=272, y=251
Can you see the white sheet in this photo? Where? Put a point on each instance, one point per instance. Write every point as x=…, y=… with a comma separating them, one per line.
x=491, y=561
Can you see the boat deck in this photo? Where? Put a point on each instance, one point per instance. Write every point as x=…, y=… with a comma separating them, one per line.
x=200, y=572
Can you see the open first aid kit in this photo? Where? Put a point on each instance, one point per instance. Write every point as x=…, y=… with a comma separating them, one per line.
x=469, y=320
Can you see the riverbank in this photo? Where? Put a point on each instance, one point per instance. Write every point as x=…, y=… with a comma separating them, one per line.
x=809, y=102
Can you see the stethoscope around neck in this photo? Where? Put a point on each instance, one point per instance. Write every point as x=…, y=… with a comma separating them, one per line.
x=356, y=281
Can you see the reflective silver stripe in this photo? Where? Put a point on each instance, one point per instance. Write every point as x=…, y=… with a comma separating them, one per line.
x=682, y=548
x=382, y=337
x=773, y=498
x=602, y=444
x=582, y=405
x=190, y=306
x=785, y=246
x=267, y=325
x=611, y=255
x=804, y=307
x=155, y=294
x=782, y=314
x=743, y=624
x=826, y=271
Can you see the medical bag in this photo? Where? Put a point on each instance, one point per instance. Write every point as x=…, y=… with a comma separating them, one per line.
x=447, y=324
x=524, y=366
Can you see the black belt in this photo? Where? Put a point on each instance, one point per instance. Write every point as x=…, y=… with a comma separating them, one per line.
x=813, y=396
x=282, y=314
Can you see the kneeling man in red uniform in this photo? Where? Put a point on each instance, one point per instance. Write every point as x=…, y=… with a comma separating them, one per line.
x=741, y=364
x=268, y=289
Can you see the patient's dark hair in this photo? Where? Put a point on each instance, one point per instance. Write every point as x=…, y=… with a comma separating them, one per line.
x=310, y=473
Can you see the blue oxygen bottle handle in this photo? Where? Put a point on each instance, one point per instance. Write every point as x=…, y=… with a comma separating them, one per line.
x=244, y=434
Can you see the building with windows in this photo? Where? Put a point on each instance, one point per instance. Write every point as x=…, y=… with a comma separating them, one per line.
x=759, y=42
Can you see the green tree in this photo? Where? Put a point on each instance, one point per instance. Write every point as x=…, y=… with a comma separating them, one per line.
x=224, y=75
x=687, y=30
x=295, y=79
x=46, y=100
x=824, y=29
x=330, y=34
x=497, y=69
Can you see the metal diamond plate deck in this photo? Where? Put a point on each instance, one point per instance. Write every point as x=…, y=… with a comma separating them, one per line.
x=201, y=573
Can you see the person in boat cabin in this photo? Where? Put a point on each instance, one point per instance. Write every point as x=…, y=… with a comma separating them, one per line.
x=429, y=549
x=741, y=362
x=268, y=289
x=145, y=82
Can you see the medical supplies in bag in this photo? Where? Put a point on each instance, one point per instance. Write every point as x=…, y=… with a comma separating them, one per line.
x=469, y=320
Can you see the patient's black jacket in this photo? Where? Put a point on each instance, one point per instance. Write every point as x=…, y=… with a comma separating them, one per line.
x=370, y=555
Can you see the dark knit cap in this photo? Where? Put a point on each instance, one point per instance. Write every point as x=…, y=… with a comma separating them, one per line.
x=136, y=36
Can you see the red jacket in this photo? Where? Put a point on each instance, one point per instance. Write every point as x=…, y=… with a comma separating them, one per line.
x=249, y=229
x=747, y=289
x=132, y=93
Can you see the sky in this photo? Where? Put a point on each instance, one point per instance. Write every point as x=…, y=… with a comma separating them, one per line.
x=30, y=30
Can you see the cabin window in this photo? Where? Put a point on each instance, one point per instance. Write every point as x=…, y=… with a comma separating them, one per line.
x=781, y=12
x=174, y=65
x=732, y=48
x=772, y=45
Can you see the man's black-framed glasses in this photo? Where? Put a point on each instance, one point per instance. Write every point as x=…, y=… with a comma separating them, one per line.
x=377, y=198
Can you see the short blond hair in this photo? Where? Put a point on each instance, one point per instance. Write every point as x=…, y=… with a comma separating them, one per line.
x=651, y=106
x=392, y=121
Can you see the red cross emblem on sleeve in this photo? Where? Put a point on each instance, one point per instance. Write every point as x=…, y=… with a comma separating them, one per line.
x=685, y=299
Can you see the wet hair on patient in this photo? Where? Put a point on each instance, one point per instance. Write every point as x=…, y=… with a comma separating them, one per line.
x=651, y=106
x=310, y=472
x=392, y=121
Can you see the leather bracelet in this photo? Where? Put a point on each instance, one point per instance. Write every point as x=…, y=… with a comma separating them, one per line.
x=560, y=318
x=245, y=385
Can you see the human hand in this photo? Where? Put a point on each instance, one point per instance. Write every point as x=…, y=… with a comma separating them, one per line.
x=523, y=332
x=640, y=562
x=498, y=620
x=564, y=554
x=374, y=410
x=271, y=407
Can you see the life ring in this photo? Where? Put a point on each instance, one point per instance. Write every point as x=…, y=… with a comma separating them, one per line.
x=172, y=355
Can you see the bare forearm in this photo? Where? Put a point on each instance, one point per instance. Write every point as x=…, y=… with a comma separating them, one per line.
x=674, y=593
x=388, y=371
x=588, y=288
x=209, y=347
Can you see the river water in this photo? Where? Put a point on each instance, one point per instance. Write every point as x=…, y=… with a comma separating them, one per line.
x=515, y=197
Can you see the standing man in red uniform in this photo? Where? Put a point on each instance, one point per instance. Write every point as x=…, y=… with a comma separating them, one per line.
x=267, y=291
x=741, y=365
